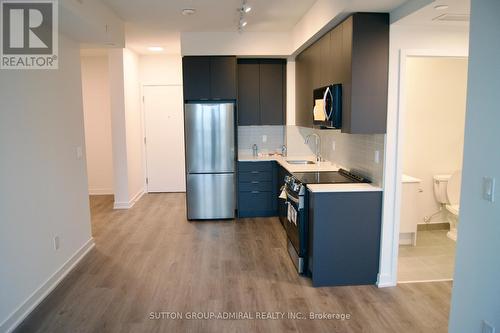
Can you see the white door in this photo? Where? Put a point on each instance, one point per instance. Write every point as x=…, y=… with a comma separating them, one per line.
x=164, y=138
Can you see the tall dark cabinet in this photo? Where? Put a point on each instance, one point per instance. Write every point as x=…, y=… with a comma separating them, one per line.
x=248, y=92
x=209, y=77
x=356, y=54
x=261, y=92
x=196, y=78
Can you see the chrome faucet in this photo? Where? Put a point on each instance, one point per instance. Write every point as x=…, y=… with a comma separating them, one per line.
x=318, y=145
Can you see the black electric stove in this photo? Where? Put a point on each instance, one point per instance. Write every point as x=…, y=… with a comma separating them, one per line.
x=328, y=177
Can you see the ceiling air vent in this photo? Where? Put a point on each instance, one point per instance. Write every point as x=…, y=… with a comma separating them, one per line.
x=452, y=18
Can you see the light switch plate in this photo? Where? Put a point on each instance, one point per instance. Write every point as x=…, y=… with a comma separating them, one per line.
x=489, y=189
x=79, y=153
x=333, y=146
x=264, y=138
x=487, y=327
x=376, y=157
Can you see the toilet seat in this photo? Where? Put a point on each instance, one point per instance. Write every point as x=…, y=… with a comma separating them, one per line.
x=454, y=209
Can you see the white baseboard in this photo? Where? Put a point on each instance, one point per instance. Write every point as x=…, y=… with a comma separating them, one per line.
x=425, y=281
x=100, y=191
x=129, y=204
x=384, y=280
x=12, y=321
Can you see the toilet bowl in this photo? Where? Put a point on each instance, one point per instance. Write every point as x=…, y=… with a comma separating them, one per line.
x=447, y=192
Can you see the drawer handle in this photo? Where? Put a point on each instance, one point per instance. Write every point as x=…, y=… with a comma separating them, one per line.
x=254, y=172
x=255, y=182
x=255, y=192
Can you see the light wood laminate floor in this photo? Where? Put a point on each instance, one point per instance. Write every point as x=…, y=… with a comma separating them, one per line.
x=150, y=259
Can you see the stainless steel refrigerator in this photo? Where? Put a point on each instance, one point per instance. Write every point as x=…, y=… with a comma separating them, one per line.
x=210, y=160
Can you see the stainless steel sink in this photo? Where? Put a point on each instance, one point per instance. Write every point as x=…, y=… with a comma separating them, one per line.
x=300, y=162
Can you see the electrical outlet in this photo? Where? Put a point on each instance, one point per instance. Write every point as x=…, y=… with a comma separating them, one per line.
x=79, y=153
x=487, y=327
x=264, y=138
x=333, y=145
x=376, y=157
x=56, y=243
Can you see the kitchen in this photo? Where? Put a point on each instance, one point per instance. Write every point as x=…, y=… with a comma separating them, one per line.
x=341, y=84
x=205, y=165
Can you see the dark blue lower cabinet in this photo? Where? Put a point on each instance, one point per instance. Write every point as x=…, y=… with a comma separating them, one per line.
x=344, y=238
x=257, y=184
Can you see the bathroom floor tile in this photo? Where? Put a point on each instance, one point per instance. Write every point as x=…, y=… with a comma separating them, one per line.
x=433, y=258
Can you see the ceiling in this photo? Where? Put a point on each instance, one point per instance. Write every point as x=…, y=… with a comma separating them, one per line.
x=159, y=22
x=456, y=14
x=211, y=15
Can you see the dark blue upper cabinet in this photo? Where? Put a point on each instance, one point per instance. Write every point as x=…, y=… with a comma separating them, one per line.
x=355, y=54
x=248, y=94
x=261, y=92
x=209, y=78
x=272, y=93
x=196, y=78
x=222, y=78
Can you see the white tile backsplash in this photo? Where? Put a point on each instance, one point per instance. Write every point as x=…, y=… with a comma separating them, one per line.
x=250, y=135
x=353, y=151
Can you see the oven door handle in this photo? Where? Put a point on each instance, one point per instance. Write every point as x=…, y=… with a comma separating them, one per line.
x=291, y=197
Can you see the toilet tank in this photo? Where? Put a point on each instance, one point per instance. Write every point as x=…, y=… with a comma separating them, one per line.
x=440, y=183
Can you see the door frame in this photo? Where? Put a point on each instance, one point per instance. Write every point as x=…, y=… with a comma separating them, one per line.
x=393, y=199
x=143, y=119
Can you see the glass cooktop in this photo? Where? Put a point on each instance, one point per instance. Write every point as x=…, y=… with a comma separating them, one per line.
x=328, y=177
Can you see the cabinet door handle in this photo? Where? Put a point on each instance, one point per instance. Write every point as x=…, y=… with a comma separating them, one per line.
x=255, y=192
x=255, y=172
x=255, y=182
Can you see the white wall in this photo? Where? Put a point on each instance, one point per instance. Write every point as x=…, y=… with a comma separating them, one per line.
x=234, y=43
x=434, y=122
x=134, y=125
x=97, y=115
x=91, y=22
x=44, y=185
x=164, y=70
x=477, y=271
x=126, y=123
x=160, y=70
x=443, y=40
x=322, y=16
x=352, y=151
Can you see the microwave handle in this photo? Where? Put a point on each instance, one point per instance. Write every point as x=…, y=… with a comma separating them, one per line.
x=328, y=114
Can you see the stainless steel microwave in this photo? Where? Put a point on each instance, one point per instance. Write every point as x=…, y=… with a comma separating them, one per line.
x=327, y=111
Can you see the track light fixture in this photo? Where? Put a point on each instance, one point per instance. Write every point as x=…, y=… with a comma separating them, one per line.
x=244, y=9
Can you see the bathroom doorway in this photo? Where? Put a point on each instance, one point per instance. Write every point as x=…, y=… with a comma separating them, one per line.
x=432, y=134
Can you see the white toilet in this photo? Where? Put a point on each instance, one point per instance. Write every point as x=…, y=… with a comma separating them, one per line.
x=447, y=192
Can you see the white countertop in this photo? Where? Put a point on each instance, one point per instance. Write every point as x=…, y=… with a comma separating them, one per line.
x=351, y=187
x=322, y=166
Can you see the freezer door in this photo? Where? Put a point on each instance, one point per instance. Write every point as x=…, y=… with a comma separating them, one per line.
x=210, y=138
x=210, y=196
